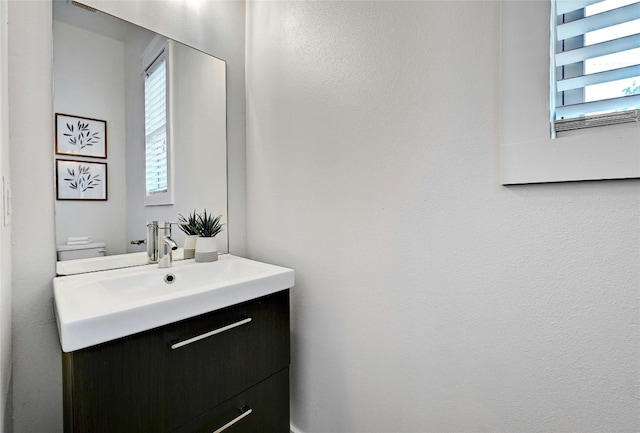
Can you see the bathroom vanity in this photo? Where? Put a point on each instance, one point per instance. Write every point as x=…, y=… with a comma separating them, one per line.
x=222, y=370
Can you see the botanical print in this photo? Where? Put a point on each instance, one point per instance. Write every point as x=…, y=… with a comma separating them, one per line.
x=81, y=136
x=81, y=180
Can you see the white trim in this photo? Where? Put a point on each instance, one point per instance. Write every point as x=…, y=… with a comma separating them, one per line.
x=153, y=50
x=604, y=155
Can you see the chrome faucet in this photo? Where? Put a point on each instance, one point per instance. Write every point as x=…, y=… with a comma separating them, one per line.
x=159, y=243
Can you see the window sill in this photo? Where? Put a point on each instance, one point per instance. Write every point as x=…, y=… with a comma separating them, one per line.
x=160, y=199
x=599, y=155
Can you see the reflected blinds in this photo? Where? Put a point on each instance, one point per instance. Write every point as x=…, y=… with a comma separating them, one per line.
x=155, y=109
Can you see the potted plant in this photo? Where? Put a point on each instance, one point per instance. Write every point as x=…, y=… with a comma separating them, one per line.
x=208, y=227
x=189, y=226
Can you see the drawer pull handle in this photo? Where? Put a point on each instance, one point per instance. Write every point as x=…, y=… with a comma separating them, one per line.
x=245, y=413
x=209, y=334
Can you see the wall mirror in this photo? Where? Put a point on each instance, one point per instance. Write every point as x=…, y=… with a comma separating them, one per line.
x=102, y=67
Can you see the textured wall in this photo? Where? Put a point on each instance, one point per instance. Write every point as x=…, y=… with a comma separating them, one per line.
x=37, y=396
x=428, y=297
x=5, y=234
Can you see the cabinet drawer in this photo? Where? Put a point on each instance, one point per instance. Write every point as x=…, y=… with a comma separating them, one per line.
x=262, y=408
x=140, y=384
x=215, y=356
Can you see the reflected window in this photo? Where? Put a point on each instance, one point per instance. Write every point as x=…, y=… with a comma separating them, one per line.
x=156, y=123
x=155, y=113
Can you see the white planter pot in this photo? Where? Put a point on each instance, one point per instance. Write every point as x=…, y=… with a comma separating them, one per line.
x=190, y=246
x=206, y=250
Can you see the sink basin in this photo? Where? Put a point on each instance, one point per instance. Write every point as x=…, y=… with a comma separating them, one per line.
x=102, y=306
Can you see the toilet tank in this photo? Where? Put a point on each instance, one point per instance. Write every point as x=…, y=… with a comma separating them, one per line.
x=72, y=252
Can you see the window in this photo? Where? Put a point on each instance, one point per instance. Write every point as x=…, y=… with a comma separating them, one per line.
x=528, y=153
x=156, y=113
x=596, y=55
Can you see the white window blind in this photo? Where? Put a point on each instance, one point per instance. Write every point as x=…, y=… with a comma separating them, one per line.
x=596, y=63
x=155, y=108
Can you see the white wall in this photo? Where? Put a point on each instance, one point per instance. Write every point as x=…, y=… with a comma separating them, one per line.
x=37, y=378
x=428, y=297
x=5, y=234
x=37, y=392
x=88, y=71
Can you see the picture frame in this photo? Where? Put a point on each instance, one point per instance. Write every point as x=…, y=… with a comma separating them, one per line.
x=81, y=136
x=81, y=180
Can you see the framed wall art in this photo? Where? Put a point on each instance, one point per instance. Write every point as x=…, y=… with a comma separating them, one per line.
x=81, y=180
x=81, y=136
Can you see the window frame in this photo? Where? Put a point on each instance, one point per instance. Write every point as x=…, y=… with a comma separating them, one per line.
x=528, y=153
x=160, y=46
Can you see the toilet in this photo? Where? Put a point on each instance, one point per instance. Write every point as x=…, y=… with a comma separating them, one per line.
x=73, y=252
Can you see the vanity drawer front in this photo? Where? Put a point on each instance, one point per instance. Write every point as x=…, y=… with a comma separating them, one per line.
x=262, y=408
x=116, y=386
x=218, y=355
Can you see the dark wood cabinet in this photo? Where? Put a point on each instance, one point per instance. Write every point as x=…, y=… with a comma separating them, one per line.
x=225, y=368
x=258, y=409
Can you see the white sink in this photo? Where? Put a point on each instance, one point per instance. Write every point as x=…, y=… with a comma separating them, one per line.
x=102, y=306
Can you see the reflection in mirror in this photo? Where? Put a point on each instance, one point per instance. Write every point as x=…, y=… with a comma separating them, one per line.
x=101, y=67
